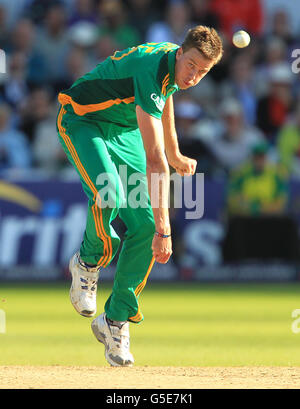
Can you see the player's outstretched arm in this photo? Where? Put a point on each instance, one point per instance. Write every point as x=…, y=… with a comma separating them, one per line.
x=182, y=164
x=158, y=177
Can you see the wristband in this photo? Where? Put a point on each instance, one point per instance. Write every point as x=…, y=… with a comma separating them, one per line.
x=162, y=235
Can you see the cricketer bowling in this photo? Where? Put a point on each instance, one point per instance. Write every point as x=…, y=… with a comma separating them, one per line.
x=121, y=113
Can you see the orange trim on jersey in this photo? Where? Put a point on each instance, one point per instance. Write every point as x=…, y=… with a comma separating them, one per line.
x=148, y=49
x=98, y=218
x=138, y=316
x=141, y=286
x=147, y=46
x=165, y=84
x=123, y=55
x=84, y=109
x=166, y=79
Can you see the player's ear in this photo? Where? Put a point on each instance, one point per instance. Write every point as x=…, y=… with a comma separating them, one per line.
x=179, y=53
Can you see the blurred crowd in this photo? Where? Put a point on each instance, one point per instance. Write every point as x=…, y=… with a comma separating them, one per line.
x=242, y=122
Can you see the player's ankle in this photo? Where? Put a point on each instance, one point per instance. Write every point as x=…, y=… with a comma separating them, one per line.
x=90, y=265
x=114, y=323
x=87, y=264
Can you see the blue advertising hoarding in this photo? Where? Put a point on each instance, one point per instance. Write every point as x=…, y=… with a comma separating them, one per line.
x=42, y=223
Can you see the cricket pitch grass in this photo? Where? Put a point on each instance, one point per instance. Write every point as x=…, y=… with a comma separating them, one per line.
x=194, y=336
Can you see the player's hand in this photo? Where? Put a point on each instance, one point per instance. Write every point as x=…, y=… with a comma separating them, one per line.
x=182, y=164
x=161, y=249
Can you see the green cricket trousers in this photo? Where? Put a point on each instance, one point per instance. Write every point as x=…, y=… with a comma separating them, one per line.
x=111, y=164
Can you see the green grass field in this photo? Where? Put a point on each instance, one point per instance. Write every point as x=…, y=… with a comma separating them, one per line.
x=185, y=325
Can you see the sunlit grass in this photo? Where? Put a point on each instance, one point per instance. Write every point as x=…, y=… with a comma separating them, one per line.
x=185, y=325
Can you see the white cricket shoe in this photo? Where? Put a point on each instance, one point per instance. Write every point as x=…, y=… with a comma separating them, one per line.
x=115, y=340
x=84, y=286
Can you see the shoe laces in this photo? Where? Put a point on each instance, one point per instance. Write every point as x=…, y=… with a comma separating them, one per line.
x=120, y=335
x=88, y=283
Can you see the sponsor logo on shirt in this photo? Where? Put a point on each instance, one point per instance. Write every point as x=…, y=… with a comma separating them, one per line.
x=159, y=102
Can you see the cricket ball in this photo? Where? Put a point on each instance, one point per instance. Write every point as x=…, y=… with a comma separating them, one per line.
x=241, y=39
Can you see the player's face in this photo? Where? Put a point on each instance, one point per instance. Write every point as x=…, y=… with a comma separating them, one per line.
x=190, y=67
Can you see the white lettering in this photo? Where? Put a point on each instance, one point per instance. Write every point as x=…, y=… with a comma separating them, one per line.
x=159, y=102
x=202, y=240
x=296, y=62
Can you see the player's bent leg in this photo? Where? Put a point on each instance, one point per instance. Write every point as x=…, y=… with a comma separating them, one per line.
x=135, y=259
x=134, y=265
x=87, y=151
x=133, y=268
x=115, y=337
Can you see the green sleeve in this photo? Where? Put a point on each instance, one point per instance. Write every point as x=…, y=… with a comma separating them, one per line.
x=148, y=94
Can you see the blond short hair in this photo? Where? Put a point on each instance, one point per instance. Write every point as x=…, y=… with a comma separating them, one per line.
x=206, y=40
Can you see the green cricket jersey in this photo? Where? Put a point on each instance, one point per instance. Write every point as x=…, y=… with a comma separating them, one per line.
x=142, y=75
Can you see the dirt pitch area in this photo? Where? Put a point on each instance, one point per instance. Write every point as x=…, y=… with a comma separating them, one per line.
x=59, y=377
